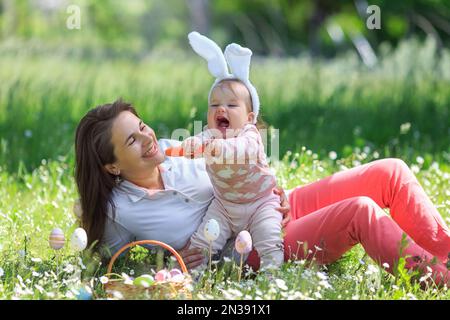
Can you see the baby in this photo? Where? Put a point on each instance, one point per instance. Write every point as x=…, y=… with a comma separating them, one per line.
x=236, y=163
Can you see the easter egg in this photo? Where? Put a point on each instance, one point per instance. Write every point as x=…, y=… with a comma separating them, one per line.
x=177, y=278
x=79, y=239
x=145, y=280
x=175, y=272
x=176, y=275
x=84, y=294
x=56, y=239
x=162, y=275
x=243, y=243
x=211, y=230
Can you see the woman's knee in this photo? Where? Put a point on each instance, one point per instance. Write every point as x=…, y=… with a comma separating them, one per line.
x=393, y=164
x=357, y=208
x=364, y=207
x=392, y=171
x=363, y=202
x=365, y=210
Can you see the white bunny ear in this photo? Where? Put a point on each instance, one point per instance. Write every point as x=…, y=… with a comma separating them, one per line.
x=238, y=59
x=210, y=51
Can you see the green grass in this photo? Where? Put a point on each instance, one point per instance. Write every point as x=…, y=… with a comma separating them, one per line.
x=32, y=204
x=398, y=109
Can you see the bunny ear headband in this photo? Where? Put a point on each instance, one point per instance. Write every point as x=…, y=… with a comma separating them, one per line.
x=238, y=59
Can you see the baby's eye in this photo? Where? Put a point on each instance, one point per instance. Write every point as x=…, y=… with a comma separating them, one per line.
x=214, y=105
x=232, y=105
x=132, y=141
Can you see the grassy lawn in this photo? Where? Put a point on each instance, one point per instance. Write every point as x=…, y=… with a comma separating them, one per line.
x=32, y=204
x=330, y=115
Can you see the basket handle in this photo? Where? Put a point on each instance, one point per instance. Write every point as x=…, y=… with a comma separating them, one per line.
x=155, y=242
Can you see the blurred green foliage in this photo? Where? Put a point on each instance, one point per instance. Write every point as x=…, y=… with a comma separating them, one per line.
x=399, y=108
x=51, y=75
x=276, y=27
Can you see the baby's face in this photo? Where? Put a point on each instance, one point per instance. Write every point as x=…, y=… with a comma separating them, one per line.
x=229, y=107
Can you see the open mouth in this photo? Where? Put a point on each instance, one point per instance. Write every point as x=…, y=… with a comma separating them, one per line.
x=222, y=122
x=151, y=152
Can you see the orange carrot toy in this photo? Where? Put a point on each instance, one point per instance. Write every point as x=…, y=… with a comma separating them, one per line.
x=179, y=152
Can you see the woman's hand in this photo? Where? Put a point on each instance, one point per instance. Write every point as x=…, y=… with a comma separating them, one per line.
x=191, y=146
x=285, y=207
x=191, y=257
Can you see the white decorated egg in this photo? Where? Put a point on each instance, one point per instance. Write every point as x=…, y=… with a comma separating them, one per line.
x=211, y=230
x=243, y=243
x=79, y=239
x=176, y=275
x=56, y=239
x=174, y=272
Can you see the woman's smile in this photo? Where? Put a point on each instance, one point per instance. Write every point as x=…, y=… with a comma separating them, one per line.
x=152, y=151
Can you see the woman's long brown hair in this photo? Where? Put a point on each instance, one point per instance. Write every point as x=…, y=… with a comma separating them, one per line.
x=93, y=150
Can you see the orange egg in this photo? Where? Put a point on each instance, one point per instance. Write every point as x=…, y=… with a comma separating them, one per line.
x=56, y=239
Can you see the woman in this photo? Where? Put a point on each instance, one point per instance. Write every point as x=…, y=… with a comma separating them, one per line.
x=130, y=191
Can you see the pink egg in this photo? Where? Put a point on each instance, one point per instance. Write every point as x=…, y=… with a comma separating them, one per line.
x=243, y=243
x=162, y=275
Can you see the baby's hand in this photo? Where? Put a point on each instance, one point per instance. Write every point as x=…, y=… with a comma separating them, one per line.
x=190, y=146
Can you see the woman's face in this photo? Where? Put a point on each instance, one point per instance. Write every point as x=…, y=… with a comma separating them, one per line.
x=135, y=147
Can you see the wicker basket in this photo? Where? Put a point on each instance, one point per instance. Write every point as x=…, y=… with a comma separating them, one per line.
x=116, y=287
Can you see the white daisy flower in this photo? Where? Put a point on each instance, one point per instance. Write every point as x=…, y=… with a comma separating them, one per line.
x=281, y=284
x=104, y=279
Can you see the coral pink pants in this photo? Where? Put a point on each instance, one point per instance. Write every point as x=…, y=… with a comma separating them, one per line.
x=334, y=214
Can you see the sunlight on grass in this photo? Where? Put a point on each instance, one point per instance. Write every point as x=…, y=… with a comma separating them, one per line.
x=32, y=204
